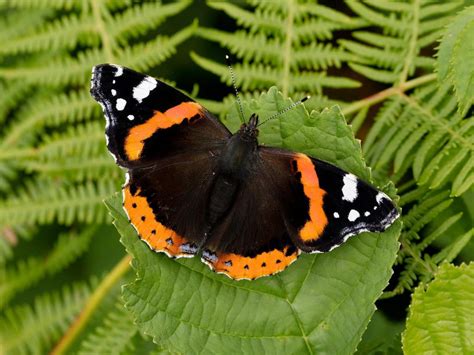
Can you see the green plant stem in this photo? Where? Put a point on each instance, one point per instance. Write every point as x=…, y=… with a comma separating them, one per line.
x=287, y=53
x=413, y=42
x=104, y=35
x=382, y=95
x=92, y=304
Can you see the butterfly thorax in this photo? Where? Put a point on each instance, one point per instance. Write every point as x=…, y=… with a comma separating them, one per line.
x=239, y=153
x=235, y=163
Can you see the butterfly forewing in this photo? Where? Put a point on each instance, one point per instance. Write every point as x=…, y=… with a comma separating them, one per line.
x=144, y=116
x=168, y=143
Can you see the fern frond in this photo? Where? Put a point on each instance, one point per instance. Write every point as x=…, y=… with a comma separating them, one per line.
x=65, y=33
x=47, y=201
x=113, y=336
x=34, y=328
x=30, y=271
x=138, y=20
x=414, y=226
x=382, y=76
x=75, y=71
x=417, y=235
x=77, y=169
x=54, y=166
x=154, y=52
x=59, y=72
x=265, y=21
x=429, y=117
x=377, y=17
x=393, y=56
x=440, y=230
x=281, y=43
x=58, y=110
x=465, y=178
x=80, y=141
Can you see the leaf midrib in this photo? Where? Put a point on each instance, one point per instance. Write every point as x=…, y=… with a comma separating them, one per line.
x=293, y=310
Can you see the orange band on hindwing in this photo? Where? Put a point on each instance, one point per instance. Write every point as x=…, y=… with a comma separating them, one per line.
x=155, y=234
x=134, y=142
x=241, y=267
x=313, y=228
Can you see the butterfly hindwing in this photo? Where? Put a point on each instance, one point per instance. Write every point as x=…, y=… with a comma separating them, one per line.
x=252, y=239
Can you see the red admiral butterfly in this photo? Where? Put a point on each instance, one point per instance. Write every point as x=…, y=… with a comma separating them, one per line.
x=194, y=187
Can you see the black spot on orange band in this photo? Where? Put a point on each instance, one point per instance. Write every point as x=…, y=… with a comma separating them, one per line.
x=264, y=264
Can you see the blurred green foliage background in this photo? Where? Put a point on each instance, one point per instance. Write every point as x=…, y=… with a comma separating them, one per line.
x=408, y=98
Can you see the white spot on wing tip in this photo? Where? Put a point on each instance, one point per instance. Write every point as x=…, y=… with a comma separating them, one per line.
x=131, y=117
x=349, y=189
x=367, y=214
x=120, y=105
x=336, y=215
x=353, y=215
x=114, y=92
x=142, y=90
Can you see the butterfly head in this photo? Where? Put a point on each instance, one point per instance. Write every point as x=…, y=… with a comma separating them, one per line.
x=249, y=131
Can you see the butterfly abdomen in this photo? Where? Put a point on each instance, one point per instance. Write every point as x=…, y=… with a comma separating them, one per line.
x=233, y=166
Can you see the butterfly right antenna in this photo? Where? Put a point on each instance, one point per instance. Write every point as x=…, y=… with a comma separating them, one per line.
x=293, y=105
x=232, y=75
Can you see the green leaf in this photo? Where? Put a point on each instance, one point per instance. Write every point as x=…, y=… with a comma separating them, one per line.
x=441, y=314
x=463, y=71
x=456, y=55
x=321, y=304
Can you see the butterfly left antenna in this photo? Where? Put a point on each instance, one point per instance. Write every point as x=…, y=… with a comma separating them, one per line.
x=232, y=75
x=293, y=105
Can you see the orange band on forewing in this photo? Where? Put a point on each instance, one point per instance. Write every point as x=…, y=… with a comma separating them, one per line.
x=313, y=228
x=135, y=140
x=155, y=234
x=243, y=267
